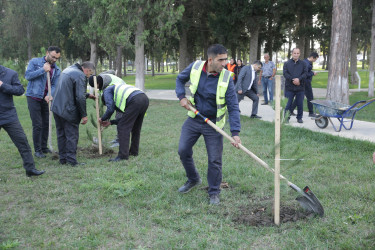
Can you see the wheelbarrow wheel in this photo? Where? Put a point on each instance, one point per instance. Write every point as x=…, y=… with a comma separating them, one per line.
x=322, y=122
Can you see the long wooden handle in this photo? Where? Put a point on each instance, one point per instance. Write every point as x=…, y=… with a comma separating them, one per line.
x=50, y=112
x=252, y=155
x=98, y=116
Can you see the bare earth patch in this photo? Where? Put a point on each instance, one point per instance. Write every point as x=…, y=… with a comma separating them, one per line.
x=261, y=215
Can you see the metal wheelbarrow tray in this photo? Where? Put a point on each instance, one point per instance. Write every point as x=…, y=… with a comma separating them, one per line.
x=343, y=112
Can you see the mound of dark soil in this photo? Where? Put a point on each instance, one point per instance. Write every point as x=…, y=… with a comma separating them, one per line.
x=260, y=215
x=93, y=152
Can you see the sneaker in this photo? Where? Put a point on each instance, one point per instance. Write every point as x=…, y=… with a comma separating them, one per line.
x=214, y=199
x=264, y=103
x=313, y=115
x=299, y=120
x=292, y=113
x=255, y=116
x=188, y=186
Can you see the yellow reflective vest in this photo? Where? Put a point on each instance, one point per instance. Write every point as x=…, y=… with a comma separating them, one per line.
x=222, y=87
x=122, y=92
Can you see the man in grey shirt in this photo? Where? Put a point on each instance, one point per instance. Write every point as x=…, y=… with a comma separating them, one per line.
x=266, y=76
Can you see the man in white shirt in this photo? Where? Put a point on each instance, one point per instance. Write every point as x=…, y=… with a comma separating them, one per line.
x=246, y=85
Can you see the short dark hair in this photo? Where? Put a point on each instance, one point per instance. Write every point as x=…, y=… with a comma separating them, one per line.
x=88, y=65
x=258, y=63
x=216, y=49
x=54, y=48
x=314, y=55
x=99, y=81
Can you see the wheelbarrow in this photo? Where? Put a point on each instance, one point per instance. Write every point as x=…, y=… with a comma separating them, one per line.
x=344, y=113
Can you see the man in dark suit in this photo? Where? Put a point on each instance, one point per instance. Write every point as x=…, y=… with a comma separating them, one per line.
x=10, y=85
x=247, y=85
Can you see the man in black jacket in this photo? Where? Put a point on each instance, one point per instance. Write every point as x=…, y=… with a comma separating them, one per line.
x=294, y=72
x=9, y=86
x=69, y=109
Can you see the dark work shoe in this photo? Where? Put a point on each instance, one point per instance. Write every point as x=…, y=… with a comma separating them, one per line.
x=39, y=154
x=255, y=116
x=62, y=162
x=34, y=172
x=293, y=114
x=264, y=103
x=188, y=186
x=46, y=151
x=313, y=115
x=214, y=199
x=299, y=120
x=117, y=159
x=75, y=164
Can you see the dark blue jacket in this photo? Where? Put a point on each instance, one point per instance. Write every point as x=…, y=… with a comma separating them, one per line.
x=109, y=102
x=310, y=73
x=37, y=78
x=205, y=97
x=11, y=86
x=293, y=70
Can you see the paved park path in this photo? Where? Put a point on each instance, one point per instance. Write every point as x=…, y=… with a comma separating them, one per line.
x=361, y=130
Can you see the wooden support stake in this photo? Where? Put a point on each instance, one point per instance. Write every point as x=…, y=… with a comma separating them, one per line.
x=98, y=116
x=50, y=113
x=277, y=150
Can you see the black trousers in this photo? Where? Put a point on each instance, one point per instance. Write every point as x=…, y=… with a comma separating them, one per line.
x=39, y=115
x=309, y=96
x=67, y=139
x=253, y=96
x=16, y=133
x=131, y=122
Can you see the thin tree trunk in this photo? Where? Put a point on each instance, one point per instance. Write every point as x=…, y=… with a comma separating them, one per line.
x=28, y=39
x=140, y=55
x=372, y=56
x=93, y=52
x=353, y=61
x=338, y=86
x=324, y=58
x=119, y=60
x=125, y=64
x=183, y=51
x=364, y=56
x=254, y=37
x=153, y=65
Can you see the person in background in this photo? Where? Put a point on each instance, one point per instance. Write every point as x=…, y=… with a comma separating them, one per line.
x=37, y=96
x=69, y=109
x=237, y=70
x=9, y=86
x=247, y=86
x=308, y=88
x=295, y=72
x=266, y=76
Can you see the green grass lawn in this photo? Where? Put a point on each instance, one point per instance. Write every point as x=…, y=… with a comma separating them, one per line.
x=164, y=81
x=135, y=204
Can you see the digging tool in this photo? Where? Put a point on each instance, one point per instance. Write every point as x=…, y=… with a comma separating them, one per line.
x=277, y=151
x=307, y=199
x=50, y=113
x=98, y=116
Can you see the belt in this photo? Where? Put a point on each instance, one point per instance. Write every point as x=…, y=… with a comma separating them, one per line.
x=266, y=76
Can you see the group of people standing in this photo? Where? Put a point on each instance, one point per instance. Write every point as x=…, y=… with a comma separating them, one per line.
x=68, y=96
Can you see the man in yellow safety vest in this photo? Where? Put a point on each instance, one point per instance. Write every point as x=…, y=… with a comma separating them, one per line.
x=213, y=94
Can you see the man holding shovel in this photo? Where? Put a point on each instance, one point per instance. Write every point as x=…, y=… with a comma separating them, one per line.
x=213, y=94
x=37, y=96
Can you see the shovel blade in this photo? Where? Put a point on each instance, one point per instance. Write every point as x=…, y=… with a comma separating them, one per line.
x=310, y=203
